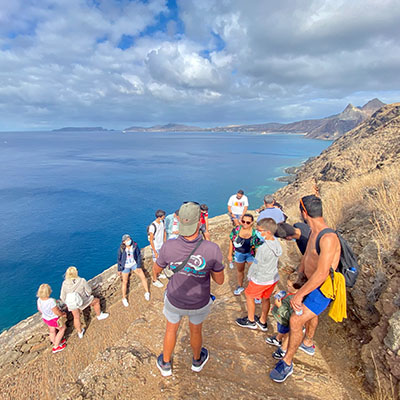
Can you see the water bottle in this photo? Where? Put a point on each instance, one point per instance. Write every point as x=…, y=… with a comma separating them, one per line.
x=280, y=295
x=212, y=297
x=300, y=312
x=231, y=266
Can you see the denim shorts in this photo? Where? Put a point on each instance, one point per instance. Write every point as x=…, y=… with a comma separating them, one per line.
x=282, y=328
x=243, y=257
x=196, y=317
x=127, y=270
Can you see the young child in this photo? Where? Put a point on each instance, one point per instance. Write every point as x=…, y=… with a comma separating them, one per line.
x=47, y=306
x=204, y=221
x=263, y=276
x=282, y=312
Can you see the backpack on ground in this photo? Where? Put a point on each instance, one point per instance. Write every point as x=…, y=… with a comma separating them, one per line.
x=73, y=300
x=348, y=265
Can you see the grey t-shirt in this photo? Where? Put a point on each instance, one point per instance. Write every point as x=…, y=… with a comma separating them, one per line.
x=189, y=288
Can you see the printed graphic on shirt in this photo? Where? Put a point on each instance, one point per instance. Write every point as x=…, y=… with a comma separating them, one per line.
x=195, y=265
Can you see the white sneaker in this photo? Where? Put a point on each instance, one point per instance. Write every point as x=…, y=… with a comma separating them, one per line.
x=147, y=296
x=125, y=302
x=238, y=291
x=80, y=334
x=103, y=315
x=157, y=283
x=162, y=276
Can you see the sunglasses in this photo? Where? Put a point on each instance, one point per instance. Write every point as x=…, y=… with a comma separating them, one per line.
x=303, y=208
x=247, y=222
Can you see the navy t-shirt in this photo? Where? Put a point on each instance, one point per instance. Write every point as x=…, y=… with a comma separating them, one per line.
x=305, y=234
x=189, y=288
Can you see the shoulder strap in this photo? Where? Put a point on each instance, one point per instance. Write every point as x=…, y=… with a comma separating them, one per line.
x=322, y=233
x=183, y=264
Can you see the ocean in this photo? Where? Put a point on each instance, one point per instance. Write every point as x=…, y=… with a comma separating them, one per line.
x=66, y=198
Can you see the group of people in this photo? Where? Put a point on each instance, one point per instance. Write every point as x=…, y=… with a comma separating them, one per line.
x=183, y=253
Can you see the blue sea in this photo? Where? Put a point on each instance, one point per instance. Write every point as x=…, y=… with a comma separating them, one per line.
x=66, y=198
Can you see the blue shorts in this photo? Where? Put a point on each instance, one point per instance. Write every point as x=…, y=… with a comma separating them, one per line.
x=316, y=301
x=237, y=216
x=282, y=328
x=128, y=270
x=243, y=257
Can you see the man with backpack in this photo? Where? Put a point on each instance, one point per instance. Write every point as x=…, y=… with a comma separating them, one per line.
x=193, y=262
x=309, y=301
x=157, y=236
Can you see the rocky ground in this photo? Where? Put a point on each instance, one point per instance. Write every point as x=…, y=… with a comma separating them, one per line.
x=116, y=358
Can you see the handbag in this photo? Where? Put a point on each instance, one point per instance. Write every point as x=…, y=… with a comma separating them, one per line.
x=170, y=272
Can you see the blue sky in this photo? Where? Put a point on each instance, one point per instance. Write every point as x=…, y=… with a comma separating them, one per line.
x=118, y=63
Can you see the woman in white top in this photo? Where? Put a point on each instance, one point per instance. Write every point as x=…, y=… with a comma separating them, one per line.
x=47, y=306
x=77, y=295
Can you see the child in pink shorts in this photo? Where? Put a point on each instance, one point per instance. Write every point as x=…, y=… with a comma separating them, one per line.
x=47, y=306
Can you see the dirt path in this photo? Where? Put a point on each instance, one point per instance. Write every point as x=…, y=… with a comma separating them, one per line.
x=116, y=359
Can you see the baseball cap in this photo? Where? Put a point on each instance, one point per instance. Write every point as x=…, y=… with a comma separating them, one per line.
x=189, y=216
x=125, y=237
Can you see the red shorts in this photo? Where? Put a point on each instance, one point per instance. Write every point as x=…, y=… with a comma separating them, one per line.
x=255, y=291
x=51, y=322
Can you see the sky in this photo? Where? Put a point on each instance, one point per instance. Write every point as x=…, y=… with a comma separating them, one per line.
x=122, y=63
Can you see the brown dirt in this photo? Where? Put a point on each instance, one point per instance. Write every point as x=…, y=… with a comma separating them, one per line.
x=116, y=358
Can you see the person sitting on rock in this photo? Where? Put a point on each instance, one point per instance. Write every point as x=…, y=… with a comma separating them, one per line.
x=77, y=295
x=129, y=259
x=47, y=306
x=271, y=211
x=282, y=312
x=263, y=276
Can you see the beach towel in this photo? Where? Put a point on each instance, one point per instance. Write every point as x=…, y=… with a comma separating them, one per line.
x=334, y=288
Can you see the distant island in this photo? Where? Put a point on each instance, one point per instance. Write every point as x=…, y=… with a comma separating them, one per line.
x=328, y=128
x=83, y=129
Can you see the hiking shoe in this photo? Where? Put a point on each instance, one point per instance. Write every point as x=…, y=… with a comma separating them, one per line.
x=164, y=367
x=310, y=350
x=257, y=301
x=80, y=334
x=263, y=327
x=246, y=323
x=103, y=315
x=162, y=276
x=281, y=371
x=197, y=365
x=61, y=347
x=272, y=340
x=279, y=354
x=147, y=296
x=125, y=302
x=238, y=291
x=157, y=283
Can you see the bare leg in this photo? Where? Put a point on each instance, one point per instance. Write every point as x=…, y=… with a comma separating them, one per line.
x=285, y=341
x=77, y=320
x=52, y=334
x=251, y=307
x=170, y=340
x=96, y=306
x=139, y=272
x=196, y=339
x=240, y=273
x=125, y=278
x=59, y=336
x=279, y=336
x=311, y=327
x=296, y=332
x=265, y=305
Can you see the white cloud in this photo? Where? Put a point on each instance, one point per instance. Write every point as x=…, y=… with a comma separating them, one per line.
x=224, y=61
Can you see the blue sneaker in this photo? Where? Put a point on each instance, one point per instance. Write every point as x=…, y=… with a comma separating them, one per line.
x=281, y=371
x=310, y=350
x=197, y=365
x=164, y=367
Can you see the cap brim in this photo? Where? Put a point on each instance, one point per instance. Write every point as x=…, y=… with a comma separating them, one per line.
x=187, y=230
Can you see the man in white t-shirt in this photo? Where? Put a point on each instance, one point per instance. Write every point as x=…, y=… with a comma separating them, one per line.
x=237, y=206
x=157, y=237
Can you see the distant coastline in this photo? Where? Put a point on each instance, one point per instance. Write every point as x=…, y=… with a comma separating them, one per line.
x=83, y=129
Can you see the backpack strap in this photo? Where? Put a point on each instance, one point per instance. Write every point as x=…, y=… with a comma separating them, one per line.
x=183, y=264
x=322, y=233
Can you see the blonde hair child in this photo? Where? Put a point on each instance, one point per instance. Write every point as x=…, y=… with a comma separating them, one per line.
x=47, y=306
